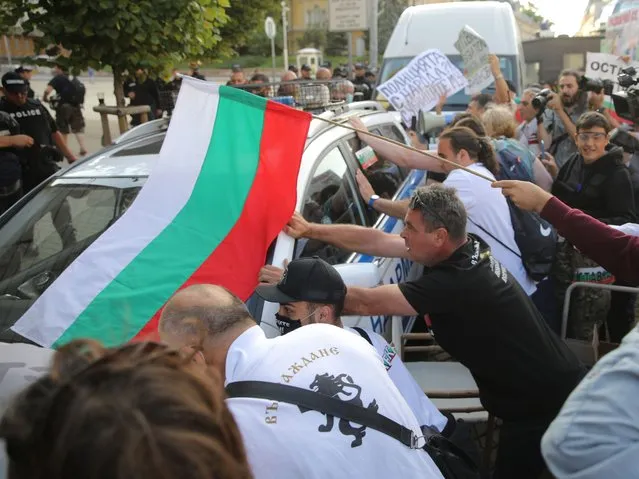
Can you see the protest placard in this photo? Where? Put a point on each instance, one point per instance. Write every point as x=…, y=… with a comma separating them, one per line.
x=418, y=86
x=474, y=52
x=605, y=65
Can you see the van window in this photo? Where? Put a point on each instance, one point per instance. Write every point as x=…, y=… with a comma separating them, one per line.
x=330, y=198
x=459, y=101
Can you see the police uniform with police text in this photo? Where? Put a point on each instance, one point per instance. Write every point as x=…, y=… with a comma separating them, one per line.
x=10, y=169
x=35, y=121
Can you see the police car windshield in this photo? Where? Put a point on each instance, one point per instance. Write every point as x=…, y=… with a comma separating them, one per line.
x=460, y=100
x=47, y=232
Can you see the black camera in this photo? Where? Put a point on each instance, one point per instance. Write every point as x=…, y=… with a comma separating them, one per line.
x=540, y=100
x=596, y=85
x=627, y=101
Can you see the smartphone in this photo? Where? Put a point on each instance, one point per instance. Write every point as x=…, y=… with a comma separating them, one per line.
x=543, y=150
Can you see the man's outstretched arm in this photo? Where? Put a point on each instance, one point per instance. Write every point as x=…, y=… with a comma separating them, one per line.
x=349, y=237
x=383, y=300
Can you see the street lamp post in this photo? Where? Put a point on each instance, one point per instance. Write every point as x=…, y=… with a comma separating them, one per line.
x=285, y=10
x=373, y=49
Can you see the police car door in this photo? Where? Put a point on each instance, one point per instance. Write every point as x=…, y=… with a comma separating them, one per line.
x=391, y=182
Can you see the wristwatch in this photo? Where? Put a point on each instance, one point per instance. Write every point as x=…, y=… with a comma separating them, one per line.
x=372, y=200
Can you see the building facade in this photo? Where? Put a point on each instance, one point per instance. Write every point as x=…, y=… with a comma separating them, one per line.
x=547, y=57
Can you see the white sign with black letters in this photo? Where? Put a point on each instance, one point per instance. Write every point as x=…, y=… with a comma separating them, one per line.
x=347, y=15
x=605, y=66
x=419, y=85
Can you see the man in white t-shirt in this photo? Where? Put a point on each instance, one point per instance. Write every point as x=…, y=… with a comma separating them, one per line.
x=527, y=130
x=312, y=291
x=283, y=440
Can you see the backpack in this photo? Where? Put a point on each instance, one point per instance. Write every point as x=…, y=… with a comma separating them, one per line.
x=80, y=91
x=535, y=237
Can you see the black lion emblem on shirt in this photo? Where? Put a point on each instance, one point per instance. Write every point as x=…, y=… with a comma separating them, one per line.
x=343, y=388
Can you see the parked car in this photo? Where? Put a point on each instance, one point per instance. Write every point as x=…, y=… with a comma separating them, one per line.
x=100, y=188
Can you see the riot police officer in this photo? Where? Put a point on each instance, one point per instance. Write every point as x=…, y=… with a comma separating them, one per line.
x=39, y=161
x=10, y=169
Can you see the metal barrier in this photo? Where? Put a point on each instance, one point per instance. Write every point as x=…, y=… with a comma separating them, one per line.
x=308, y=94
x=581, y=284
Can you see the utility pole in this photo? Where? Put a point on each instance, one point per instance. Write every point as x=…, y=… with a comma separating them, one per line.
x=372, y=33
x=285, y=11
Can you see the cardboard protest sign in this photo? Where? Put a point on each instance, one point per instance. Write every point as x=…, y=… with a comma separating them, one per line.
x=474, y=51
x=418, y=86
x=606, y=67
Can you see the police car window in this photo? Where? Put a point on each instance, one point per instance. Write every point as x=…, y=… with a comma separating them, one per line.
x=330, y=198
x=53, y=228
x=384, y=176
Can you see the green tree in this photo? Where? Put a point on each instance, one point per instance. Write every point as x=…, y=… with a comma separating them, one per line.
x=388, y=14
x=245, y=25
x=121, y=34
x=336, y=43
x=315, y=38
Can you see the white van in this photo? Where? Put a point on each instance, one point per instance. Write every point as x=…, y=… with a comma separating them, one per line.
x=437, y=26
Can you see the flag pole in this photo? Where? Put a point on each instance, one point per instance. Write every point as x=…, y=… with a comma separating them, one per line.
x=402, y=145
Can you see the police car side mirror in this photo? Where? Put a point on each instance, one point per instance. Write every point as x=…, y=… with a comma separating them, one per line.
x=363, y=275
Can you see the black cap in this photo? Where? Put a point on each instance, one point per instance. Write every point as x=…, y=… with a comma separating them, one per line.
x=306, y=279
x=306, y=68
x=14, y=83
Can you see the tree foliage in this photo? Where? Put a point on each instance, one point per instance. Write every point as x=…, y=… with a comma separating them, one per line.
x=246, y=24
x=389, y=13
x=122, y=34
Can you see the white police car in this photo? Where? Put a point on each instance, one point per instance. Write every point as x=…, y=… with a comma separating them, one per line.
x=36, y=244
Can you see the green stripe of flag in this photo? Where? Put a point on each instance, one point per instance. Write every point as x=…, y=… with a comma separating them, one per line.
x=210, y=213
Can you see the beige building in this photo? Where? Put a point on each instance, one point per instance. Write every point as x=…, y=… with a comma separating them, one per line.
x=305, y=15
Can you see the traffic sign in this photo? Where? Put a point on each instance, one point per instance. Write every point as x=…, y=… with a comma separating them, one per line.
x=347, y=15
x=269, y=28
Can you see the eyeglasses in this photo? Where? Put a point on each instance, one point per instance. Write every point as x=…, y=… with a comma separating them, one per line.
x=594, y=136
x=417, y=201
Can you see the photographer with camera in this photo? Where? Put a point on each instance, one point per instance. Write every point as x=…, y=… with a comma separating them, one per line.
x=558, y=113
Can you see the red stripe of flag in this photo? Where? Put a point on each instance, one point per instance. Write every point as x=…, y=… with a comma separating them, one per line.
x=236, y=262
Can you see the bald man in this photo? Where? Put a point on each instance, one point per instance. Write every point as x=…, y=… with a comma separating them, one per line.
x=278, y=435
x=287, y=90
x=323, y=74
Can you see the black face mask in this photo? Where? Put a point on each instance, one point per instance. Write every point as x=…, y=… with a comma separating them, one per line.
x=286, y=324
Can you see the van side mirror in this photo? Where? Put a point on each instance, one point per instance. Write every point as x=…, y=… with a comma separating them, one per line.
x=363, y=275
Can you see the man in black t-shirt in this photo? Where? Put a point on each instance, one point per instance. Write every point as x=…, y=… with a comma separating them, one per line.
x=68, y=112
x=479, y=314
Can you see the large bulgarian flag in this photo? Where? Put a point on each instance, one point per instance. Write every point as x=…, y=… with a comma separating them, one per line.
x=222, y=189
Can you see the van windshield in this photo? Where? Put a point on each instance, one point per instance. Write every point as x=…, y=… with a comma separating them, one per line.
x=459, y=101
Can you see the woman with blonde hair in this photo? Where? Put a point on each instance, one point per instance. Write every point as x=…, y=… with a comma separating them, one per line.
x=501, y=126
x=139, y=411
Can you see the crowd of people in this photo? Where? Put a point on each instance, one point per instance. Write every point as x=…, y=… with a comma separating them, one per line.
x=510, y=181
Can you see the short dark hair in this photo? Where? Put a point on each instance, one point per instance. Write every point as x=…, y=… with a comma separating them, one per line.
x=259, y=77
x=571, y=73
x=483, y=99
x=592, y=119
x=441, y=208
